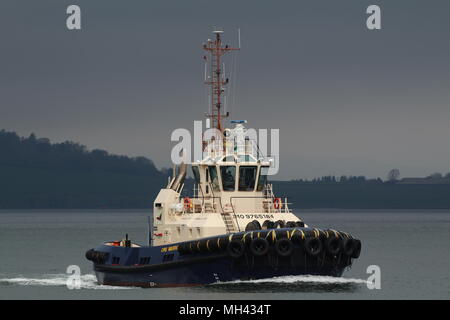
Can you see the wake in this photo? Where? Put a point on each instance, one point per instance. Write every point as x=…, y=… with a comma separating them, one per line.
x=88, y=281
x=299, y=280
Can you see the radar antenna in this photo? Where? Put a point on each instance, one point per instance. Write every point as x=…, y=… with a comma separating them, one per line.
x=217, y=80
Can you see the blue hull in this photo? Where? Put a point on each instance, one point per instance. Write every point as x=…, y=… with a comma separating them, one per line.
x=193, y=264
x=221, y=270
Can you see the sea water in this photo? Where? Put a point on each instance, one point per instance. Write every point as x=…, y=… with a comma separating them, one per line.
x=411, y=248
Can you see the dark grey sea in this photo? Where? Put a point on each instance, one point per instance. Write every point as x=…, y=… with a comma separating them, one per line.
x=411, y=248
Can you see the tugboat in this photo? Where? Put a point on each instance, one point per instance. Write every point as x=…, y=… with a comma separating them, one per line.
x=232, y=228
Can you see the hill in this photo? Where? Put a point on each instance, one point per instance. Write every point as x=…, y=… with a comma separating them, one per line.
x=38, y=174
x=35, y=173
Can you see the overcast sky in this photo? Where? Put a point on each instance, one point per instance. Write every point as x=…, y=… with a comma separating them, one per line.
x=346, y=100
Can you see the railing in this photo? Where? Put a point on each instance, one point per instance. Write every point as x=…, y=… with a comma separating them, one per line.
x=217, y=148
x=284, y=204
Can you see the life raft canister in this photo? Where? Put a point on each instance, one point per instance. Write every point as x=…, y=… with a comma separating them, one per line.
x=187, y=203
x=277, y=203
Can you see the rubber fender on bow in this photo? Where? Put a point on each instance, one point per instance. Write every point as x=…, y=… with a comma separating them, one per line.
x=89, y=254
x=297, y=236
x=333, y=245
x=222, y=243
x=253, y=225
x=313, y=246
x=259, y=247
x=357, y=251
x=284, y=247
x=300, y=224
x=235, y=249
x=268, y=225
x=349, y=246
x=97, y=256
x=290, y=224
x=279, y=224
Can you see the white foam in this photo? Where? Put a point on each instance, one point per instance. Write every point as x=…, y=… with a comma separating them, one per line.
x=303, y=279
x=88, y=281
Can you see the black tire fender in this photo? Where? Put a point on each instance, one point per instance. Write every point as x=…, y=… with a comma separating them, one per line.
x=349, y=247
x=300, y=224
x=357, y=251
x=290, y=224
x=267, y=224
x=333, y=245
x=279, y=224
x=253, y=226
x=284, y=247
x=313, y=246
x=235, y=249
x=259, y=247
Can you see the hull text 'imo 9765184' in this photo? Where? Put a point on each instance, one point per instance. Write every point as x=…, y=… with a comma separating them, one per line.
x=233, y=227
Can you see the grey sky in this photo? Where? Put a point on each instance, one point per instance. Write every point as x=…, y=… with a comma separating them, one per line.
x=347, y=100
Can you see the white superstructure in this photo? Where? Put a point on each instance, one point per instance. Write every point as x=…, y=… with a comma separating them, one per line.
x=231, y=188
x=230, y=191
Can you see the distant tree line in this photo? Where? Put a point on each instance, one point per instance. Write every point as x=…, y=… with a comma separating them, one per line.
x=38, y=174
x=68, y=155
x=339, y=180
x=35, y=173
x=393, y=177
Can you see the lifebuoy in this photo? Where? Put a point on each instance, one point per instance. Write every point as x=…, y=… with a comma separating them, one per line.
x=187, y=203
x=277, y=203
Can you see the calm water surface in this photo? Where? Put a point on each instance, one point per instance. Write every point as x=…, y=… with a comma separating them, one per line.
x=411, y=248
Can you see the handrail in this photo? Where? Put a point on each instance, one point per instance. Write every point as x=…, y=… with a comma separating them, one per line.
x=234, y=215
x=249, y=197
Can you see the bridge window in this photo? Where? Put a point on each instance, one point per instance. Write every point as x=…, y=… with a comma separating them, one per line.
x=228, y=159
x=196, y=174
x=214, y=178
x=246, y=158
x=247, y=178
x=228, y=177
x=262, y=181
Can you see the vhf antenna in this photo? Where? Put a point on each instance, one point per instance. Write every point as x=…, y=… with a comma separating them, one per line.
x=216, y=49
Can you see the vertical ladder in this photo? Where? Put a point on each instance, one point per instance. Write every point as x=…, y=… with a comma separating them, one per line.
x=229, y=223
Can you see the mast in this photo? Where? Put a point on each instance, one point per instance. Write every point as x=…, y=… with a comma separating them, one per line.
x=216, y=50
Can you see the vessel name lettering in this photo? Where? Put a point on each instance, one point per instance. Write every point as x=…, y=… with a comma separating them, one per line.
x=172, y=248
x=254, y=216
